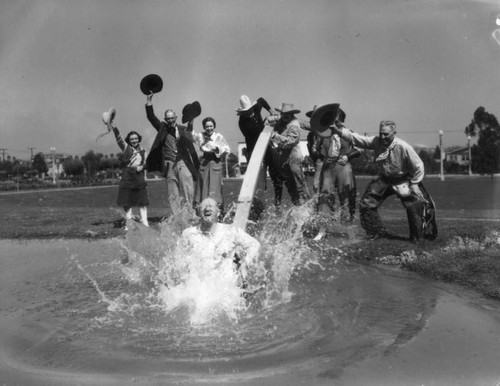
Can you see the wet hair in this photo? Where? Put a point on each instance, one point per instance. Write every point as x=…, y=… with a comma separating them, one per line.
x=204, y=203
x=208, y=119
x=127, y=139
x=390, y=124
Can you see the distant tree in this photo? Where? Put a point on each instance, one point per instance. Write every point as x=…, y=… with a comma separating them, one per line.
x=20, y=168
x=364, y=164
x=91, y=162
x=6, y=166
x=437, y=153
x=73, y=167
x=486, y=154
x=430, y=164
x=39, y=164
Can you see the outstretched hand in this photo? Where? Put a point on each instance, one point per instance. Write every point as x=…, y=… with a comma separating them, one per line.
x=337, y=127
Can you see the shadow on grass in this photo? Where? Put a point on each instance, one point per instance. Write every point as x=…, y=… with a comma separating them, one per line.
x=120, y=223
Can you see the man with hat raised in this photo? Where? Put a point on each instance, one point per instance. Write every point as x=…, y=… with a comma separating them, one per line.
x=286, y=157
x=173, y=154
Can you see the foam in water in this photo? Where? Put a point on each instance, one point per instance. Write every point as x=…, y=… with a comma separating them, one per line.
x=205, y=288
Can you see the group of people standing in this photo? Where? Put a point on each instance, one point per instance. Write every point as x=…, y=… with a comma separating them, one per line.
x=400, y=169
x=191, y=178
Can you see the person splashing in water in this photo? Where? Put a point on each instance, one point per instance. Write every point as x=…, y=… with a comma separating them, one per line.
x=212, y=270
x=214, y=243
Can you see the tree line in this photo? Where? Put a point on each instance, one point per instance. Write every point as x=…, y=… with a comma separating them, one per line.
x=485, y=158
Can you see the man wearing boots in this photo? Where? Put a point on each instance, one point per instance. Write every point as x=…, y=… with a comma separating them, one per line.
x=400, y=172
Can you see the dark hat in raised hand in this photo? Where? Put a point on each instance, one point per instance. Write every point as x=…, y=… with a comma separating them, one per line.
x=191, y=111
x=151, y=83
x=323, y=117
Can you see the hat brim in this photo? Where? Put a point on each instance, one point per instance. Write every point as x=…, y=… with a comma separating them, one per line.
x=109, y=116
x=240, y=110
x=323, y=117
x=151, y=83
x=288, y=111
x=191, y=111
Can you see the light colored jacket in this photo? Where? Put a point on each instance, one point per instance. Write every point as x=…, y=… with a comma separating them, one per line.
x=285, y=142
x=215, y=144
x=399, y=161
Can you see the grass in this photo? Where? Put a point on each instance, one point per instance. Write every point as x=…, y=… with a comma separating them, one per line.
x=466, y=252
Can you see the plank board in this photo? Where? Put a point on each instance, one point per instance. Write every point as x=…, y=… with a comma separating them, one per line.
x=251, y=179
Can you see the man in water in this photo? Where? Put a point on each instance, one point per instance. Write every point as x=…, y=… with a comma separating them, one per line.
x=215, y=243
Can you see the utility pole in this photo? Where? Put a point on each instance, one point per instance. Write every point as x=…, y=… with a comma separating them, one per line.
x=441, y=154
x=31, y=148
x=470, y=157
x=53, y=151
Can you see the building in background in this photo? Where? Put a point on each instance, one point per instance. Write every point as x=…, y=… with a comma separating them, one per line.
x=459, y=156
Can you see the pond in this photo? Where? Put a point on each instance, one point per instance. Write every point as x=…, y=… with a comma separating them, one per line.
x=104, y=312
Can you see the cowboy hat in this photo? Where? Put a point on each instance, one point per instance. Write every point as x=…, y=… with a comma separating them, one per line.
x=191, y=111
x=246, y=104
x=309, y=113
x=287, y=108
x=151, y=83
x=108, y=116
x=324, y=116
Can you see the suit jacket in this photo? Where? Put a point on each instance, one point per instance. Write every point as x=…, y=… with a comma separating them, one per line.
x=185, y=147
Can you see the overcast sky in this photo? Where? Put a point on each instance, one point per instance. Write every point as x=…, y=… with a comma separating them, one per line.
x=426, y=64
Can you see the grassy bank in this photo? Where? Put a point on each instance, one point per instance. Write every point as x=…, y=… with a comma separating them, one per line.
x=467, y=251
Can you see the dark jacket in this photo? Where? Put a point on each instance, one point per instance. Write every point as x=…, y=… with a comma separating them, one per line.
x=251, y=127
x=185, y=147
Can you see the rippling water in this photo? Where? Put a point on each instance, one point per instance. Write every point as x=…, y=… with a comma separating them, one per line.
x=103, y=312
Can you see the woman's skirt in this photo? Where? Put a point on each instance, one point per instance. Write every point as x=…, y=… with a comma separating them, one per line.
x=132, y=190
x=209, y=182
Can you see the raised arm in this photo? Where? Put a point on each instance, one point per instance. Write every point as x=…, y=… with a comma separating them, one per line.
x=261, y=101
x=155, y=122
x=119, y=140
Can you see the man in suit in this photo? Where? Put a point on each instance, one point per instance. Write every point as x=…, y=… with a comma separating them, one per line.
x=174, y=155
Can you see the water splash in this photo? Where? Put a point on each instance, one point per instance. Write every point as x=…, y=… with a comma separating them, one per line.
x=196, y=292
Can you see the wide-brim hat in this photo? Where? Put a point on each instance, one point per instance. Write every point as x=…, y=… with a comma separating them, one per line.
x=323, y=117
x=191, y=111
x=108, y=116
x=287, y=108
x=151, y=83
x=246, y=104
x=309, y=113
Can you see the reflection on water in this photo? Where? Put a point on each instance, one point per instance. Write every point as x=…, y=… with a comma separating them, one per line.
x=109, y=309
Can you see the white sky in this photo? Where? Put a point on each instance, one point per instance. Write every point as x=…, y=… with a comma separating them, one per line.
x=426, y=64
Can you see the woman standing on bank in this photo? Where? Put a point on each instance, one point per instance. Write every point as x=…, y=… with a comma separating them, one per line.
x=132, y=191
x=214, y=147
